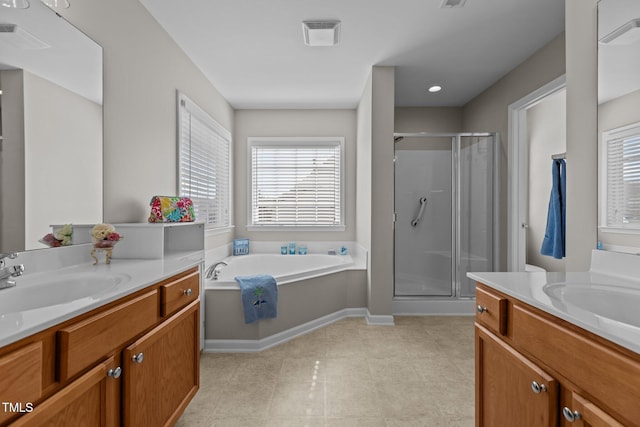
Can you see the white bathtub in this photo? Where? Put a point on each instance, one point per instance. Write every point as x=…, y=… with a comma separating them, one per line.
x=285, y=268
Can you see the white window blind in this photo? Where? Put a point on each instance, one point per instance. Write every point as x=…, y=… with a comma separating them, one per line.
x=204, y=164
x=622, y=177
x=296, y=182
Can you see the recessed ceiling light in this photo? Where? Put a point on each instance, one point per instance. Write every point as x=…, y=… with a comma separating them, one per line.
x=447, y=4
x=321, y=33
x=435, y=88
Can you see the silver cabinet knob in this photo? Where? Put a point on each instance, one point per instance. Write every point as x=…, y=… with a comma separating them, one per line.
x=482, y=309
x=570, y=415
x=114, y=373
x=187, y=292
x=538, y=388
x=138, y=358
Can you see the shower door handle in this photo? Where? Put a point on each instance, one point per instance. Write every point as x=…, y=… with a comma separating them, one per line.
x=423, y=203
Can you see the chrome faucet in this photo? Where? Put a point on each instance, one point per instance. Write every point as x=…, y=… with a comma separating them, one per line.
x=213, y=270
x=7, y=273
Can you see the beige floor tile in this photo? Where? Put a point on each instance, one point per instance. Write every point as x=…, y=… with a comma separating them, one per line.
x=356, y=422
x=305, y=399
x=353, y=347
x=244, y=399
x=409, y=398
x=419, y=372
x=353, y=399
x=392, y=369
x=238, y=422
x=257, y=370
x=348, y=369
x=302, y=369
x=295, y=422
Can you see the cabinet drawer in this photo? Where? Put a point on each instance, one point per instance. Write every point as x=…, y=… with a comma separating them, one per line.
x=178, y=293
x=585, y=412
x=491, y=311
x=21, y=379
x=86, y=342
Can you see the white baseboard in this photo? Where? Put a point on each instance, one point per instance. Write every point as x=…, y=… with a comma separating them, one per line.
x=432, y=307
x=379, y=320
x=249, y=346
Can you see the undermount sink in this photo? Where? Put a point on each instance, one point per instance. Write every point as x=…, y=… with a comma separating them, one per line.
x=618, y=303
x=30, y=294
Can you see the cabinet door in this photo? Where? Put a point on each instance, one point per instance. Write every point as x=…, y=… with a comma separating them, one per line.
x=161, y=371
x=583, y=413
x=21, y=379
x=86, y=402
x=510, y=389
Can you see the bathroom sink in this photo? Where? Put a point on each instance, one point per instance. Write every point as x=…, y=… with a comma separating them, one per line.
x=30, y=294
x=618, y=303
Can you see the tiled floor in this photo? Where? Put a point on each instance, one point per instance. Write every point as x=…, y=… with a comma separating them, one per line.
x=417, y=373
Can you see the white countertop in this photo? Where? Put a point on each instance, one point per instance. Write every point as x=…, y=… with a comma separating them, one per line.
x=530, y=288
x=138, y=274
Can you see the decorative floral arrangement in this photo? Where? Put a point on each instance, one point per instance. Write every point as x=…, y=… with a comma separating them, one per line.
x=105, y=236
x=61, y=237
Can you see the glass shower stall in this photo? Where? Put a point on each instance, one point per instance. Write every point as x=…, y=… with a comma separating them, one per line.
x=445, y=213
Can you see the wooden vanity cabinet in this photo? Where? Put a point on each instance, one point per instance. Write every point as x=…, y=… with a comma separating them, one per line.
x=161, y=371
x=505, y=382
x=539, y=370
x=134, y=362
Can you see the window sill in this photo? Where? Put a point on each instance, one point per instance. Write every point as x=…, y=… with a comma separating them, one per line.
x=619, y=230
x=320, y=228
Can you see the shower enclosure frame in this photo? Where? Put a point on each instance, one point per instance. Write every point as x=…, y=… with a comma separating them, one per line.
x=456, y=238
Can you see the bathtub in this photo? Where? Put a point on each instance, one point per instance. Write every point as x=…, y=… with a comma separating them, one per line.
x=313, y=290
x=285, y=268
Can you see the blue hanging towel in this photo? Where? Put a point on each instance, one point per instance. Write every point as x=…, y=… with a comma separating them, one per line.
x=553, y=243
x=259, y=297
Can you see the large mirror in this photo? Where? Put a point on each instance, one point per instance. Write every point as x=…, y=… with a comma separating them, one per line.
x=618, y=49
x=51, y=126
x=619, y=120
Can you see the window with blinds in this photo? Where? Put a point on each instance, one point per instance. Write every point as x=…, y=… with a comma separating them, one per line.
x=204, y=164
x=296, y=182
x=621, y=155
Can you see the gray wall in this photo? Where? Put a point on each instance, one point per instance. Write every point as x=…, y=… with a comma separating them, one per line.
x=547, y=135
x=143, y=68
x=294, y=123
x=375, y=203
x=488, y=112
x=428, y=119
x=582, y=119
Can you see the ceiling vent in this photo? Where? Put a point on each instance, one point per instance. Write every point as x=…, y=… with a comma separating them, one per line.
x=449, y=4
x=321, y=33
x=13, y=36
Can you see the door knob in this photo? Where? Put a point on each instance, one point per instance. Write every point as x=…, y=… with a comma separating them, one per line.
x=482, y=309
x=570, y=415
x=187, y=292
x=138, y=358
x=538, y=388
x=114, y=373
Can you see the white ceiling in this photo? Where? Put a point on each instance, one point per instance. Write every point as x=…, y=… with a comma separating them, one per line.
x=253, y=52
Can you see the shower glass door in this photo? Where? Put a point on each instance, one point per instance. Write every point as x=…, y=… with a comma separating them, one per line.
x=475, y=209
x=424, y=230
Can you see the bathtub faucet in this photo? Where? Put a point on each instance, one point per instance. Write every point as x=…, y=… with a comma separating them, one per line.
x=213, y=270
